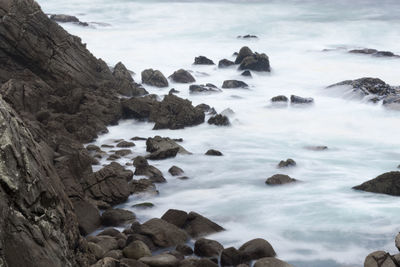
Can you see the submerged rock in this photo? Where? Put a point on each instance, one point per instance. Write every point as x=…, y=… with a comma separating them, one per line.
x=182, y=76
x=202, y=60
x=287, y=163
x=374, y=52
x=67, y=18
x=256, y=62
x=225, y=63
x=229, y=84
x=387, y=183
x=219, y=120
x=278, y=179
x=213, y=152
x=294, y=99
x=208, y=88
x=175, y=171
x=279, y=98
x=154, y=78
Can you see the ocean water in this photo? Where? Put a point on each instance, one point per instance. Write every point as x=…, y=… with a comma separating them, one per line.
x=320, y=221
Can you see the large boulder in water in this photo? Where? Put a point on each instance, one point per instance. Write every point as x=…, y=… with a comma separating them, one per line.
x=387, y=183
x=198, y=225
x=163, y=234
x=154, y=78
x=278, y=179
x=182, y=76
x=256, y=62
x=243, y=53
x=139, y=107
x=117, y=217
x=125, y=83
x=207, y=248
x=230, y=84
x=256, y=249
x=202, y=60
x=163, y=147
x=143, y=168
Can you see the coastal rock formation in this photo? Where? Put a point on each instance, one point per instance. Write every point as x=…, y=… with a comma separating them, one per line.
x=143, y=168
x=154, y=78
x=225, y=63
x=67, y=18
x=387, y=183
x=202, y=60
x=163, y=147
x=278, y=179
x=125, y=82
x=182, y=76
x=252, y=61
x=219, y=120
x=230, y=84
x=294, y=99
x=208, y=88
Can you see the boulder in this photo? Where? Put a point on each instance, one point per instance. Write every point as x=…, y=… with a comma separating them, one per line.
x=202, y=60
x=88, y=215
x=117, y=217
x=110, y=231
x=175, y=171
x=279, y=98
x=256, y=62
x=173, y=91
x=115, y=254
x=143, y=168
x=142, y=186
x=163, y=147
x=67, y=18
x=197, y=225
x=247, y=36
x=107, y=243
x=154, y=78
x=278, y=179
x=125, y=262
x=161, y=260
x=175, y=217
x=184, y=249
x=144, y=205
x=136, y=250
x=256, y=249
x=246, y=73
x=194, y=262
x=106, y=262
x=138, y=107
x=208, y=88
x=231, y=84
x=163, y=234
x=367, y=86
x=125, y=144
x=387, y=183
x=96, y=250
x=271, y=262
x=287, y=163
x=379, y=259
x=123, y=152
x=231, y=257
x=207, y=248
x=182, y=76
x=125, y=83
x=294, y=99
x=225, y=63
x=213, y=152
x=219, y=120
x=243, y=53
x=206, y=108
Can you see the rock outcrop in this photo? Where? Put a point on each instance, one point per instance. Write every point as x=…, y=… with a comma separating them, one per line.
x=387, y=183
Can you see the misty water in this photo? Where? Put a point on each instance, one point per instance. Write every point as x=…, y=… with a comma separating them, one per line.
x=320, y=221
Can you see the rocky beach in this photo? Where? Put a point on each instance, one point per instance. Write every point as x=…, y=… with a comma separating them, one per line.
x=168, y=133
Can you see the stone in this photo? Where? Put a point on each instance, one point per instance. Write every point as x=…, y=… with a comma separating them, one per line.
x=106, y=262
x=278, y=179
x=138, y=108
x=125, y=83
x=256, y=62
x=287, y=163
x=141, y=186
x=144, y=205
x=175, y=217
x=110, y=232
x=194, y=262
x=97, y=251
x=198, y=225
x=175, y=171
x=67, y=18
x=246, y=73
x=184, y=249
x=279, y=98
x=247, y=36
x=256, y=249
x=143, y=168
x=243, y=53
x=387, y=183
x=231, y=84
x=271, y=262
x=154, y=78
x=208, y=88
x=115, y=254
x=136, y=250
x=213, y=152
x=202, y=60
x=88, y=215
x=125, y=144
x=182, y=76
x=161, y=260
x=132, y=263
x=301, y=100
x=207, y=248
x=163, y=147
x=225, y=63
x=117, y=217
x=231, y=257
x=219, y=120
x=163, y=234
x=397, y=241
x=379, y=259
x=316, y=148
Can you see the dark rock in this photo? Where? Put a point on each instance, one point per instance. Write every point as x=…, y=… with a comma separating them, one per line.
x=107, y=146
x=379, y=258
x=183, y=178
x=154, y=78
x=96, y=250
x=231, y=257
x=229, y=84
x=142, y=186
x=256, y=249
x=67, y=18
x=202, y=60
x=138, y=108
x=137, y=138
x=243, y=53
x=385, y=54
x=247, y=36
x=207, y=248
x=194, y=262
x=125, y=262
x=117, y=217
x=203, y=89
x=182, y=76
x=125, y=144
x=123, y=152
x=387, y=183
x=198, y=225
x=367, y=86
x=163, y=147
x=367, y=51
x=175, y=217
x=110, y=232
x=87, y=214
x=246, y=73
x=115, y=254
x=144, y=205
x=161, y=260
x=143, y=168
x=93, y=148
x=113, y=157
x=204, y=107
x=271, y=262
x=136, y=250
x=184, y=249
x=287, y=163
x=175, y=171
x=173, y=91
x=317, y=148
x=277, y=179
x=224, y=63
x=219, y=120
x=279, y=98
x=213, y=152
x=106, y=262
x=294, y=99
x=125, y=83
x=177, y=255
x=256, y=62
x=107, y=243
x=163, y=234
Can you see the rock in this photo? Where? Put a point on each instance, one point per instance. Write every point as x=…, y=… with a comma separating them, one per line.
x=287, y=163
x=279, y=98
x=208, y=88
x=125, y=144
x=225, y=63
x=137, y=138
x=387, y=183
x=213, y=152
x=163, y=147
x=204, y=107
x=379, y=259
x=246, y=73
x=110, y=232
x=368, y=86
x=144, y=205
x=197, y=225
x=106, y=262
x=184, y=249
x=132, y=263
x=142, y=186
x=161, y=260
x=125, y=83
x=230, y=84
x=397, y=241
x=316, y=148
x=301, y=100
x=194, y=262
x=207, y=248
x=136, y=236
x=143, y=168
x=231, y=257
x=176, y=113
x=107, y=243
x=363, y=51
x=136, y=250
x=93, y=148
x=175, y=171
x=97, y=251
x=202, y=60
x=88, y=215
x=278, y=179
x=256, y=62
x=182, y=76
x=117, y=217
x=123, y=152
x=113, y=157
x=219, y=120
x=243, y=53
x=154, y=78
x=173, y=91
x=175, y=217
x=115, y=254
x=163, y=234
x=138, y=108
x=67, y=18
x=271, y=262
x=247, y=36
x=183, y=178
x=256, y=249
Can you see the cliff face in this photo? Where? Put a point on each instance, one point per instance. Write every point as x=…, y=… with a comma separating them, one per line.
x=54, y=95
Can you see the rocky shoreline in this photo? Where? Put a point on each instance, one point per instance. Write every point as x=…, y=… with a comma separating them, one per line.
x=56, y=97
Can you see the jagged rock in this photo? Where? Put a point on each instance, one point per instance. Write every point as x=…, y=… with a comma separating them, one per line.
x=243, y=53
x=184, y=249
x=143, y=168
x=207, y=248
x=138, y=107
x=279, y=98
x=231, y=257
x=256, y=249
x=271, y=262
x=202, y=60
x=379, y=259
x=136, y=250
x=154, y=78
x=182, y=76
x=213, y=152
x=198, y=225
x=294, y=99
x=287, y=163
x=219, y=120
x=175, y=217
x=387, y=183
x=163, y=147
x=230, y=84
x=208, y=88
x=162, y=233
x=175, y=171
x=161, y=260
x=67, y=18
x=256, y=62
x=117, y=217
x=125, y=83
x=277, y=179
x=225, y=63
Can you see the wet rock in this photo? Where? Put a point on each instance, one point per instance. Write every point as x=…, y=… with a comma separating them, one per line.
x=117, y=217
x=256, y=249
x=173, y=91
x=279, y=98
x=125, y=83
x=202, y=60
x=67, y=18
x=110, y=232
x=225, y=63
x=125, y=144
x=213, y=152
x=374, y=52
x=378, y=259
x=163, y=234
x=107, y=243
x=106, y=262
x=93, y=148
x=123, y=152
x=287, y=163
x=387, y=183
x=184, y=249
x=175, y=217
x=142, y=186
x=278, y=179
x=161, y=260
x=138, y=108
x=204, y=107
x=208, y=88
x=137, y=138
x=143, y=168
x=96, y=250
x=256, y=62
x=247, y=36
x=368, y=86
x=198, y=225
x=115, y=254
x=136, y=250
x=163, y=147
x=246, y=73
x=154, y=78
x=219, y=120
x=125, y=262
x=230, y=257
x=207, y=248
x=316, y=148
x=194, y=262
x=88, y=215
x=271, y=262
x=182, y=76
x=243, y=53
x=144, y=205
x=175, y=171
x=230, y=84
x=294, y=99
x=107, y=146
